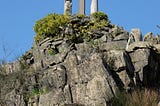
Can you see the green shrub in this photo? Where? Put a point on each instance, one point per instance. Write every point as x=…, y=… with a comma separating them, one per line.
x=80, y=16
x=100, y=20
x=38, y=91
x=50, y=26
x=53, y=24
x=52, y=51
x=99, y=16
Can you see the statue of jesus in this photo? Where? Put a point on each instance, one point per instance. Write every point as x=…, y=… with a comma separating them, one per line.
x=68, y=7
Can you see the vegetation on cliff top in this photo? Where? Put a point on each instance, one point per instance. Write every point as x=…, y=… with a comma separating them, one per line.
x=53, y=25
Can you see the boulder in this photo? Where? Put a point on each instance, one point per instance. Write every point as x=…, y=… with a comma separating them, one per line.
x=90, y=83
x=149, y=37
x=138, y=45
x=136, y=34
x=113, y=45
x=123, y=36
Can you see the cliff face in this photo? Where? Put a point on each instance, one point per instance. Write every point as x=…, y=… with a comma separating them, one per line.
x=60, y=72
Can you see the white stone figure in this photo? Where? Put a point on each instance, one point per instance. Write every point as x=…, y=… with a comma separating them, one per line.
x=81, y=9
x=68, y=7
x=130, y=40
x=94, y=6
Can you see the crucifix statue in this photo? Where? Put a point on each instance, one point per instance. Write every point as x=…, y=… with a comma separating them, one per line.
x=68, y=7
x=94, y=6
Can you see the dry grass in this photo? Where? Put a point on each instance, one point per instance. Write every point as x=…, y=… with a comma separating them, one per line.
x=136, y=98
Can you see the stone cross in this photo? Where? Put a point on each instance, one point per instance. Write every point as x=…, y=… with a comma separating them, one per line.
x=68, y=7
x=81, y=7
x=94, y=6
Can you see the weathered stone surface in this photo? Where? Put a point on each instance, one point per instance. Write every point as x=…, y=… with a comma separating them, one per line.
x=53, y=98
x=157, y=48
x=137, y=34
x=114, y=45
x=14, y=99
x=145, y=66
x=10, y=67
x=87, y=83
x=59, y=72
x=116, y=60
x=123, y=36
x=149, y=37
x=139, y=45
x=140, y=58
x=119, y=61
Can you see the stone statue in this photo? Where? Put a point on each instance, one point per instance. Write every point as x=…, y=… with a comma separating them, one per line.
x=130, y=40
x=94, y=6
x=68, y=7
x=81, y=7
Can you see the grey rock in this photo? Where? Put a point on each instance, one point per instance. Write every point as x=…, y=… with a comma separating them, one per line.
x=53, y=98
x=103, y=38
x=93, y=84
x=46, y=40
x=10, y=67
x=123, y=36
x=69, y=30
x=145, y=65
x=140, y=58
x=116, y=30
x=14, y=99
x=138, y=45
x=114, y=45
x=116, y=60
x=137, y=34
x=150, y=38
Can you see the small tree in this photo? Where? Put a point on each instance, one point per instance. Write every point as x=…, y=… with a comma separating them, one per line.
x=6, y=52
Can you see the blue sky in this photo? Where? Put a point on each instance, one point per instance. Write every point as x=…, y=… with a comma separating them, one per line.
x=17, y=18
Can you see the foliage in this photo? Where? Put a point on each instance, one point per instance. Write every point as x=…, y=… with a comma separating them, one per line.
x=99, y=16
x=138, y=97
x=54, y=24
x=49, y=26
x=23, y=60
x=80, y=16
x=36, y=91
x=52, y=51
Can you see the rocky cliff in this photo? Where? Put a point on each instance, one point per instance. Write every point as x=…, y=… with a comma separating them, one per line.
x=71, y=70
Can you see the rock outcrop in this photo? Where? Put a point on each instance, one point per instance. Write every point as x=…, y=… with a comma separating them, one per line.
x=58, y=72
